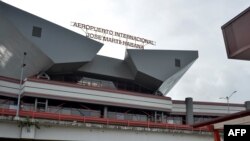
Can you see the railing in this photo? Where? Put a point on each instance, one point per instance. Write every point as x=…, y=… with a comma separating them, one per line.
x=85, y=119
x=59, y=110
x=97, y=113
x=8, y=112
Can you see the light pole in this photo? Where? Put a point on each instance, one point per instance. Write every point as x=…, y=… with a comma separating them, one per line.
x=228, y=98
x=20, y=85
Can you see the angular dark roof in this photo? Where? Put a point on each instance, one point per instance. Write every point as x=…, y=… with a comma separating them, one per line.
x=61, y=51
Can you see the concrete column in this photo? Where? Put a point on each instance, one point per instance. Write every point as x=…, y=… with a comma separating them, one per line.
x=35, y=104
x=189, y=111
x=155, y=116
x=247, y=105
x=46, y=105
x=105, y=112
x=162, y=117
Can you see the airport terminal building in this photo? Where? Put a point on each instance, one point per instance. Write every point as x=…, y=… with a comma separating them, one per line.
x=65, y=80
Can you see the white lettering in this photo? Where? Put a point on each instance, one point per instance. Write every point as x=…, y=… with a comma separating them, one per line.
x=243, y=131
x=236, y=132
x=231, y=132
x=111, y=36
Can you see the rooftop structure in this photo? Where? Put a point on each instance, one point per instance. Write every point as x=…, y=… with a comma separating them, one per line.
x=68, y=56
x=236, y=34
x=66, y=82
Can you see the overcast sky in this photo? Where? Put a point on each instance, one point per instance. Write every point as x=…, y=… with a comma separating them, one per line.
x=174, y=25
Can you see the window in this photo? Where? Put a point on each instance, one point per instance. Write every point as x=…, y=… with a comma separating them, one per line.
x=36, y=31
x=177, y=62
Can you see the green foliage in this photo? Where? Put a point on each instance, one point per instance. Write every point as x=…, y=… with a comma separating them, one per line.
x=27, y=122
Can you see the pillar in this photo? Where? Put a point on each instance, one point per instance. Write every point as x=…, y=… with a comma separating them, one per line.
x=162, y=117
x=216, y=135
x=247, y=105
x=189, y=111
x=35, y=104
x=46, y=105
x=105, y=112
x=155, y=116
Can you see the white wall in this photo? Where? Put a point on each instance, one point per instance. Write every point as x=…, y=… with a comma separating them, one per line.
x=216, y=109
x=9, y=87
x=11, y=130
x=81, y=134
x=179, y=108
x=96, y=95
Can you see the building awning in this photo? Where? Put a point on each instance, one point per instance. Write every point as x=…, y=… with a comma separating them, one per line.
x=236, y=35
x=240, y=118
